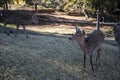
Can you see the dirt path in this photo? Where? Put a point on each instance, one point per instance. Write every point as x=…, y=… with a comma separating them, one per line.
x=63, y=28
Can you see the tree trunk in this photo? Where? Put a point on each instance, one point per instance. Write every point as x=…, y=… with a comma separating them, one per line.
x=84, y=12
x=5, y=6
x=35, y=6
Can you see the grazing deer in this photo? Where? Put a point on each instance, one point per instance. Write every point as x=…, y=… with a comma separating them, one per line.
x=116, y=30
x=91, y=43
x=18, y=19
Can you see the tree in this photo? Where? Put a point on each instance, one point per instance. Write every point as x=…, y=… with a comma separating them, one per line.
x=18, y=1
x=35, y=3
x=4, y=4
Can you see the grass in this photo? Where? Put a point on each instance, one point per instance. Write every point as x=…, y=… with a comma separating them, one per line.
x=52, y=58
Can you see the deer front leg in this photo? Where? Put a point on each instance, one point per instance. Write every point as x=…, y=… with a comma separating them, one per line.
x=25, y=31
x=84, y=60
x=5, y=28
x=98, y=58
x=91, y=63
x=17, y=27
x=119, y=50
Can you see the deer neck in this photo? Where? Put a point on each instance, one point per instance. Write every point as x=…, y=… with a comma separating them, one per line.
x=83, y=45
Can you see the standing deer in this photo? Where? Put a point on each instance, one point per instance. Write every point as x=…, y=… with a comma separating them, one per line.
x=116, y=30
x=91, y=43
x=18, y=19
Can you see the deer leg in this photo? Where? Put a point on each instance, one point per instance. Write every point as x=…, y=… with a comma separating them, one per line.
x=119, y=49
x=5, y=29
x=25, y=31
x=17, y=27
x=98, y=57
x=84, y=60
x=91, y=63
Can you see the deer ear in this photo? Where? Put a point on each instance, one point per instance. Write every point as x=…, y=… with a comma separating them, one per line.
x=77, y=29
x=82, y=32
x=115, y=26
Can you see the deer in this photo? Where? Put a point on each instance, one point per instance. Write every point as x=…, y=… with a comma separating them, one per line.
x=116, y=30
x=19, y=19
x=89, y=44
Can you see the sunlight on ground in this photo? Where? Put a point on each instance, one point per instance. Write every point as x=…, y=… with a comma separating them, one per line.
x=63, y=29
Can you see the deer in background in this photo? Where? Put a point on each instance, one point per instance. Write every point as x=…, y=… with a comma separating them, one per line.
x=116, y=30
x=18, y=19
x=90, y=43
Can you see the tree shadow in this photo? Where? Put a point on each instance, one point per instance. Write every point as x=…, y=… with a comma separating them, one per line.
x=12, y=31
x=44, y=17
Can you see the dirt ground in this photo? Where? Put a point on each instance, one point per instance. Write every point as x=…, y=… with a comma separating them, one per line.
x=62, y=28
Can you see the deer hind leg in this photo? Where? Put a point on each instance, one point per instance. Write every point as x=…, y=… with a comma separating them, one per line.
x=98, y=58
x=25, y=31
x=84, y=60
x=91, y=63
x=17, y=27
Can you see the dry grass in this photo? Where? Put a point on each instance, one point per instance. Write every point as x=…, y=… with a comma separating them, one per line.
x=52, y=58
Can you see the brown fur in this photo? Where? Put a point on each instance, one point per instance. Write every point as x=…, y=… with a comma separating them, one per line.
x=18, y=19
x=89, y=44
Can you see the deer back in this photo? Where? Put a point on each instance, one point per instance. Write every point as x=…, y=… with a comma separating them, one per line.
x=90, y=43
x=95, y=39
x=14, y=17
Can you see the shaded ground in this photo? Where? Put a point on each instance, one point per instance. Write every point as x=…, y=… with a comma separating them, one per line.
x=62, y=28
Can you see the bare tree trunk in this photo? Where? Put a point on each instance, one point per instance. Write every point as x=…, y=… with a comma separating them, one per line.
x=17, y=1
x=35, y=5
x=84, y=12
x=5, y=6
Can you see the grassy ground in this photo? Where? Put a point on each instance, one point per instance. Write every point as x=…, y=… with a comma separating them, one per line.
x=52, y=58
